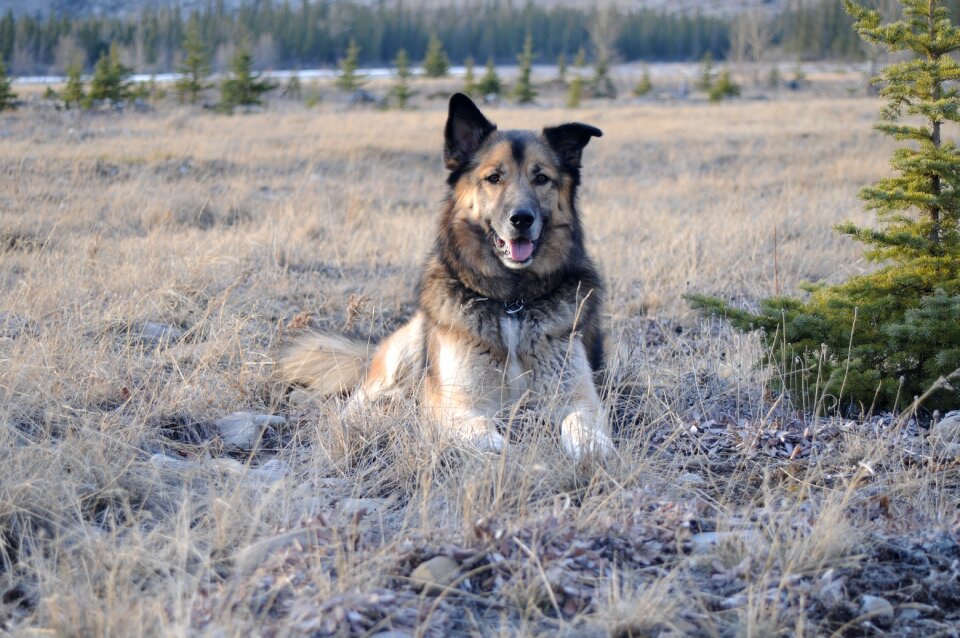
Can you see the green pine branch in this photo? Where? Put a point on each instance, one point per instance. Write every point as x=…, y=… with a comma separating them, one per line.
x=893, y=332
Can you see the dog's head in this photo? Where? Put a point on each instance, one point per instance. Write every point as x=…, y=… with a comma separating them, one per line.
x=513, y=191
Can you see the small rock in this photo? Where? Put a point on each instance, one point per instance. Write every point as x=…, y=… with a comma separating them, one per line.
x=393, y=634
x=188, y=352
x=690, y=479
x=735, y=601
x=249, y=558
x=434, y=575
x=704, y=542
x=702, y=562
x=879, y=610
x=270, y=472
x=243, y=429
x=226, y=464
x=832, y=593
x=152, y=333
x=363, y=505
x=170, y=463
x=947, y=430
x=708, y=542
x=908, y=615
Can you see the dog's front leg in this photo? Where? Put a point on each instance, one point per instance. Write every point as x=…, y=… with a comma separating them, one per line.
x=456, y=394
x=583, y=429
x=583, y=419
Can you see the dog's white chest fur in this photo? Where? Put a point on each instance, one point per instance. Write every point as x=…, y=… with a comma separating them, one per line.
x=514, y=380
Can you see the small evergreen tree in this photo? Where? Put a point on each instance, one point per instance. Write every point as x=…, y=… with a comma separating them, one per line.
x=773, y=78
x=436, y=64
x=195, y=68
x=601, y=85
x=705, y=83
x=293, y=88
x=8, y=99
x=799, y=78
x=313, y=95
x=140, y=91
x=157, y=92
x=243, y=87
x=575, y=92
x=724, y=87
x=111, y=78
x=562, y=69
x=645, y=85
x=523, y=91
x=880, y=339
x=349, y=80
x=469, y=78
x=401, y=90
x=490, y=82
x=73, y=93
x=580, y=61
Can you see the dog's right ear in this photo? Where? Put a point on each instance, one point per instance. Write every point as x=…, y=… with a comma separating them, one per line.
x=465, y=131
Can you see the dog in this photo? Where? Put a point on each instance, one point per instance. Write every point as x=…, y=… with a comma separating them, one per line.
x=509, y=300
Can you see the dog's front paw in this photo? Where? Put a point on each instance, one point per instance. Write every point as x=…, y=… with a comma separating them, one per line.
x=581, y=436
x=481, y=433
x=489, y=441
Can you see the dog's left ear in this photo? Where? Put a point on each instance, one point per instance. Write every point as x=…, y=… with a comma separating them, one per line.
x=465, y=132
x=568, y=140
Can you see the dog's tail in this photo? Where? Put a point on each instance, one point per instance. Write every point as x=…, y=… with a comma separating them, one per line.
x=327, y=364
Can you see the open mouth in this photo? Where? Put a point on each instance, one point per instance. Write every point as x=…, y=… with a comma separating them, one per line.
x=519, y=250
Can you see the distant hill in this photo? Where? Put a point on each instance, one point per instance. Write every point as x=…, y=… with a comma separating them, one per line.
x=83, y=8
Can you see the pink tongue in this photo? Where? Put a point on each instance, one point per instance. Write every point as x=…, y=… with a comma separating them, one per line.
x=521, y=249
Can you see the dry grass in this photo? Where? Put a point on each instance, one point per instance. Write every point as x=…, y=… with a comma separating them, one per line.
x=122, y=514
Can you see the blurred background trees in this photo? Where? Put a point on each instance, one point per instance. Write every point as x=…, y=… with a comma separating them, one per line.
x=308, y=34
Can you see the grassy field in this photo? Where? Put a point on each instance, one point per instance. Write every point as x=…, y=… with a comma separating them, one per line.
x=151, y=263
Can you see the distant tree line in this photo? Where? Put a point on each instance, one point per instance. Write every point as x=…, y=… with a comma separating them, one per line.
x=285, y=33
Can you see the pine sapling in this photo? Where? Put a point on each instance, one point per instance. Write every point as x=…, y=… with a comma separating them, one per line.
x=575, y=92
x=523, y=91
x=8, y=99
x=645, y=85
x=469, y=78
x=73, y=93
x=879, y=340
x=401, y=91
x=243, y=87
x=436, y=64
x=490, y=84
x=195, y=68
x=349, y=79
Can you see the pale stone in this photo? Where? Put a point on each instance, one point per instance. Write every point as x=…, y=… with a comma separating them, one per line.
x=434, y=575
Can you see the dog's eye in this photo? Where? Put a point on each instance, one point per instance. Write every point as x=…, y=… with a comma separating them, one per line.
x=494, y=179
x=540, y=179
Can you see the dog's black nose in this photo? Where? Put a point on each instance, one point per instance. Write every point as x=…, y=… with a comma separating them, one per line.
x=522, y=219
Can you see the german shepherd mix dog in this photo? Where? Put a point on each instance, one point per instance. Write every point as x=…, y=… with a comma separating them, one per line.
x=509, y=300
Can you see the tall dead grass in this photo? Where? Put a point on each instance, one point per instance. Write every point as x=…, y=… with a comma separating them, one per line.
x=223, y=230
